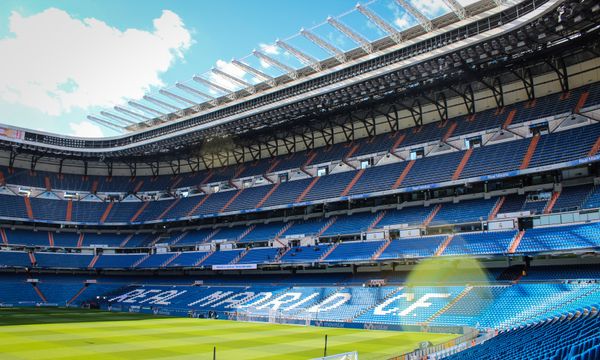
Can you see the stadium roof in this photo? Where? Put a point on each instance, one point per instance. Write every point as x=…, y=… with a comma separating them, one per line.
x=366, y=29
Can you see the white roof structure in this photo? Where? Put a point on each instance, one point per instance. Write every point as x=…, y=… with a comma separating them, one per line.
x=264, y=69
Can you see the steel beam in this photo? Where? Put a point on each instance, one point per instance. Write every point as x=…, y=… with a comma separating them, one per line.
x=145, y=108
x=161, y=103
x=249, y=87
x=422, y=19
x=337, y=53
x=259, y=74
x=105, y=123
x=131, y=113
x=118, y=118
x=353, y=35
x=304, y=58
x=230, y=94
x=191, y=90
x=288, y=70
x=177, y=97
x=381, y=23
x=457, y=8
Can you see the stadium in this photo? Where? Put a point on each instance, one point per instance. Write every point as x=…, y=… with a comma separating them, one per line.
x=431, y=193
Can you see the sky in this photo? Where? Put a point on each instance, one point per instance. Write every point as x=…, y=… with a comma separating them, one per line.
x=61, y=61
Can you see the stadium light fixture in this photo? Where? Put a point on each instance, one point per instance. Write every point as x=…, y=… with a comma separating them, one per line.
x=259, y=74
x=161, y=103
x=117, y=118
x=380, y=22
x=457, y=8
x=269, y=60
x=353, y=35
x=337, y=53
x=304, y=58
x=422, y=19
x=145, y=108
x=214, y=86
x=131, y=113
x=235, y=79
x=177, y=97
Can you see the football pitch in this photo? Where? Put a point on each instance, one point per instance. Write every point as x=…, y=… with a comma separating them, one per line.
x=49, y=333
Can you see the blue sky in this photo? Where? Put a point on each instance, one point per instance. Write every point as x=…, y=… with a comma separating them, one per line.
x=64, y=60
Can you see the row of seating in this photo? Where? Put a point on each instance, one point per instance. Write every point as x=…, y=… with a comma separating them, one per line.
x=466, y=211
x=482, y=306
x=571, y=335
x=579, y=237
x=552, y=148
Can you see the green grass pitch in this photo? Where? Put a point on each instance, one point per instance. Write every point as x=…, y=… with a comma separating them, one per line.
x=48, y=333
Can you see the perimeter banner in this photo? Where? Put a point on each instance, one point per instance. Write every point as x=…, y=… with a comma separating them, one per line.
x=12, y=133
x=234, y=267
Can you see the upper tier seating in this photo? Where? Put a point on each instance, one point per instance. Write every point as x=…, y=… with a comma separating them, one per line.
x=109, y=240
x=429, y=170
x=593, y=200
x=187, y=259
x=565, y=145
x=194, y=237
x=507, y=156
x=259, y=256
x=579, y=237
x=464, y=211
x=554, y=104
x=378, y=178
x=571, y=198
x=412, y=247
x=492, y=242
x=263, y=232
x=305, y=254
x=58, y=260
x=350, y=224
x=305, y=228
x=118, y=261
x=410, y=215
x=14, y=259
x=26, y=237
x=560, y=237
x=517, y=203
x=221, y=257
x=354, y=251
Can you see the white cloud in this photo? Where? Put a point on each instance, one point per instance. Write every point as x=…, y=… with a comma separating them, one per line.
x=230, y=69
x=269, y=49
x=56, y=63
x=431, y=8
x=403, y=22
x=85, y=129
x=402, y=19
x=264, y=64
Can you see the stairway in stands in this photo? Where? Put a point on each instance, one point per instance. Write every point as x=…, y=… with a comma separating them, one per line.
x=170, y=260
x=240, y=256
x=381, y=249
x=516, y=241
x=440, y=250
x=329, y=251
x=72, y=299
x=497, y=207
x=462, y=294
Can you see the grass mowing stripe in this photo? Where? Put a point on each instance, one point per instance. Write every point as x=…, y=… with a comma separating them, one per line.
x=65, y=335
